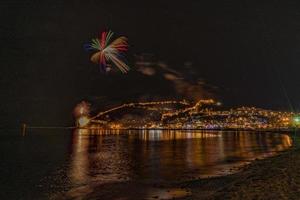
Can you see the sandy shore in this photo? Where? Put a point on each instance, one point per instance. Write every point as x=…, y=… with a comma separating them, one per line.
x=269, y=179
x=273, y=178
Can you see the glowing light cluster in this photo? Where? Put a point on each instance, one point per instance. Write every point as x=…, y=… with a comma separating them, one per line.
x=83, y=121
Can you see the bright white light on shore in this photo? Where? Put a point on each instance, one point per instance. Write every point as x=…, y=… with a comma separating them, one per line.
x=218, y=103
x=297, y=120
x=83, y=121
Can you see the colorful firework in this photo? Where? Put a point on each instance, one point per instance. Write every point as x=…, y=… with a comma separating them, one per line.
x=109, y=52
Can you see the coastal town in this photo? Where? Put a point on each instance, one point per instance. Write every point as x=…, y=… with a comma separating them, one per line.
x=205, y=114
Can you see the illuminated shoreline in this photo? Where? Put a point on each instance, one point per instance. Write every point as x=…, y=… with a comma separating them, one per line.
x=195, y=129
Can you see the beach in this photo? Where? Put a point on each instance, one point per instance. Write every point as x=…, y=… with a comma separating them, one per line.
x=273, y=178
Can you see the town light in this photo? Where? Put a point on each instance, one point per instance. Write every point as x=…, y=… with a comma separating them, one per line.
x=297, y=119
x=83, y=121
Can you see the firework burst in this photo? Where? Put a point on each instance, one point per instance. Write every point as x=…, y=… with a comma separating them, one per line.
x=109, y=52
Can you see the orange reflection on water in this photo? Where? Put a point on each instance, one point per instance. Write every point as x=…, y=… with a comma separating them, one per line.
x=80, y=164
x=160, y=135
x=100, y=156
x=93, y=159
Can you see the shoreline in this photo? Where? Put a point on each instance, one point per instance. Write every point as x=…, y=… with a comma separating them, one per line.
x=276, y=177
x=280, y=130
x=194, y=129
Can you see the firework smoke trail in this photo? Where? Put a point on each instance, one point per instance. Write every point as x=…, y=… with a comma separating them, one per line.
x=109, y=52
x=82, y=109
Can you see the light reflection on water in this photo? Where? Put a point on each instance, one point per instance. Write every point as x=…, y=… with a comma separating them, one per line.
x=166, y=155
x=102, y=159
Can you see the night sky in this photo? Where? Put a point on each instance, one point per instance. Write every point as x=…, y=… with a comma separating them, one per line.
x=246, y=53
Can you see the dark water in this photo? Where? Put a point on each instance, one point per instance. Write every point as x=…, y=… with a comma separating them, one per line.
x=61, y=164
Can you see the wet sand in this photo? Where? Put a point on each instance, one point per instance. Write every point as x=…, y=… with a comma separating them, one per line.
x=273, y=178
